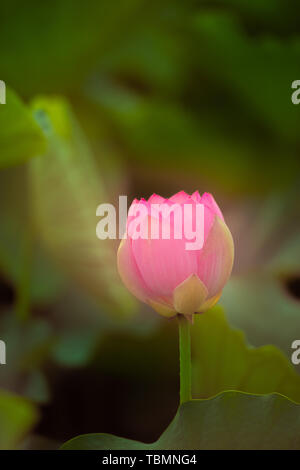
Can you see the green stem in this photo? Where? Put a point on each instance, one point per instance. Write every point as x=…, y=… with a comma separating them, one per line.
x=185, y=359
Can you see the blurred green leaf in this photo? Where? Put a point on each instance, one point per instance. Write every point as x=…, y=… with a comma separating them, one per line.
x=268, y=16
x=17, y=417
x=71, y=40
x=19, y=249
x=231, y=420
x=37, y=387
x=28, y=347
x=66, y=188
x=260, y=305
x=20, y=136
x=75, y=348
x=166, y=135
x=147, y=124
x=257, y=298
x=223, y=361
x=249, y=68
x=150, y=60
x=46, y=281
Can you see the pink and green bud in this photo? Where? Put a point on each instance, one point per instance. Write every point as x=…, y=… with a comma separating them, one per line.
x=182, y=258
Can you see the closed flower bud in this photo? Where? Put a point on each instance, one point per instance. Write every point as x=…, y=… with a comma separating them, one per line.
x=161, y=264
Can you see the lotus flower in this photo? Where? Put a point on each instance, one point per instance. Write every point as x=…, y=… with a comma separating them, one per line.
x=166, y=275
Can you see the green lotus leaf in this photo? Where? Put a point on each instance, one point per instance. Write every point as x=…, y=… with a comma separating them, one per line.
x=259, y=305
x=17, y=417
x=258, y=299
x=222, y=360
x=230, y=420
x=66, y=188
x=248, y=397
x=20, y=136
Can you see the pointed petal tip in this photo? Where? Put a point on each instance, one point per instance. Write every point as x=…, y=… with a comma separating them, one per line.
x=189, y=295
x=156, y=199
x=196, y=196
x=179, y=197
x=209, y=201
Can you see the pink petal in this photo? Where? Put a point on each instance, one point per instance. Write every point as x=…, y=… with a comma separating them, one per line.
x=129, y=272
x=164, y=264
x=208, y=200
x=156, y=199
x=215, y=260
x=196, y=196
x=209, y=218
x=134, y=214
x=180, y=198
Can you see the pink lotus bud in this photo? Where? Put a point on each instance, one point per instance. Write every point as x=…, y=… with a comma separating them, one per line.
x=158, y=262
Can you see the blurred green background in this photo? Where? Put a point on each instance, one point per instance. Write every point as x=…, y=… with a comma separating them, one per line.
x=134, y=97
